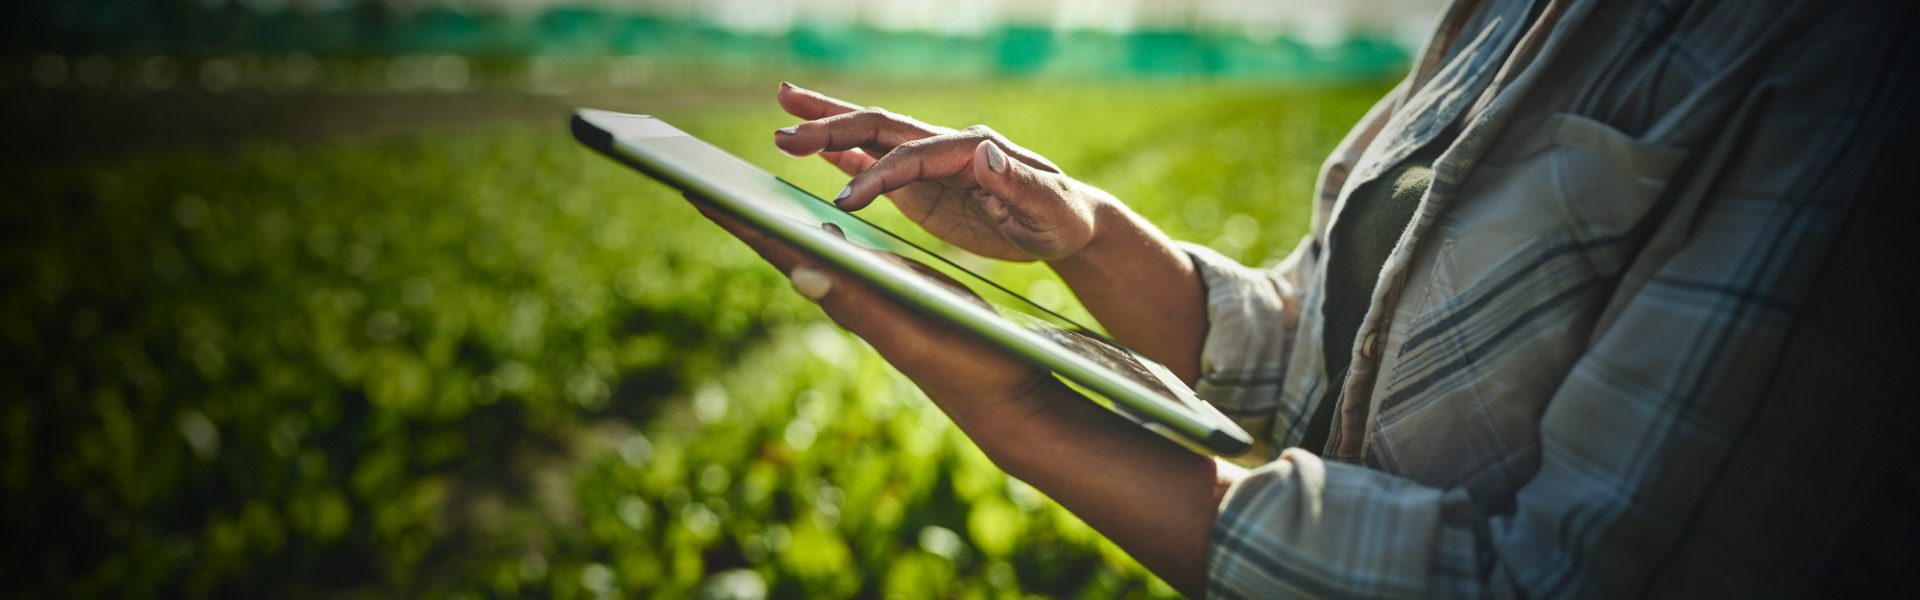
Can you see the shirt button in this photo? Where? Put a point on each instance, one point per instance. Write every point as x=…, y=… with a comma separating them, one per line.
x=1366, y=346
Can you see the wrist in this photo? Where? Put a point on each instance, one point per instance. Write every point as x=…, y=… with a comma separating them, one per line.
x=1143, y=288
x=1112, y=225
x=1123, y=246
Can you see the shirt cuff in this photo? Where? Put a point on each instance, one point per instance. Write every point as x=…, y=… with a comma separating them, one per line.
x=1249, y=325
x=1301, y=526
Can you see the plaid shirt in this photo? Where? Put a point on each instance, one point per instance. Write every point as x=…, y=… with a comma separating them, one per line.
x=1643, y=335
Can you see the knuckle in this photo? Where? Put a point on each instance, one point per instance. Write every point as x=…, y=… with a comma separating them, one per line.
x=981, y=130
x=910, y=148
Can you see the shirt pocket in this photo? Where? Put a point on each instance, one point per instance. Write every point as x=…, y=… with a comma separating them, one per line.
x=1606, y=183
x=1522, y=266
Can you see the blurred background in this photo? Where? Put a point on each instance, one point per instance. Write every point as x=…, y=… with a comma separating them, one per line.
x=318, y=298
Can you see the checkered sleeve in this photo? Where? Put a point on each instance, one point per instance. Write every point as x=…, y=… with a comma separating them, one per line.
x=1301, y=527
x=1252, y=315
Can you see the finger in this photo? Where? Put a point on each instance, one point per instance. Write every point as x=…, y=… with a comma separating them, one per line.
x=808, y=104
x=812, y=283
x=889, y=326
x=934, y=158
x=878, y=319
x=871, y=129
x=1013, y=190
x=1033, y=159
x=851, y=162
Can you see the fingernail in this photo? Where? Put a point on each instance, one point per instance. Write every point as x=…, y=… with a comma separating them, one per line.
x=996, y=159
x=810, y=282
x=785, y=85
x=844, y=192
x=788, y=130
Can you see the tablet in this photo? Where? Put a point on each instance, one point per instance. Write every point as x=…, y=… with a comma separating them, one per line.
x=1131, y=384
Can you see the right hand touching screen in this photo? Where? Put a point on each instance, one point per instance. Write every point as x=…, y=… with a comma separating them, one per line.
x=971, y=187
x=974, y=189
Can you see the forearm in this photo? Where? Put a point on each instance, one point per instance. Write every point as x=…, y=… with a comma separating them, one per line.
x=1154, y=498
x=1143, y=289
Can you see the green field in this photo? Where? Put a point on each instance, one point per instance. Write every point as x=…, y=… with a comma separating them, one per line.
x=483, y=361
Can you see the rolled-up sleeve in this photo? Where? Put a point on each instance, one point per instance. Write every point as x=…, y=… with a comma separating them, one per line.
x=1252, y=317
x=1302, y=527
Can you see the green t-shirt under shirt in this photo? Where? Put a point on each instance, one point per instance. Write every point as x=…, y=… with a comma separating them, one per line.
x=1357, y=247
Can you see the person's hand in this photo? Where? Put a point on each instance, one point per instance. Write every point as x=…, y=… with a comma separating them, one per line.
x=971, y=187
x=981, y=387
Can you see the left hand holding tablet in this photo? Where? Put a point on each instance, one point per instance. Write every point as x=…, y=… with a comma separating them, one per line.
x=978, y=385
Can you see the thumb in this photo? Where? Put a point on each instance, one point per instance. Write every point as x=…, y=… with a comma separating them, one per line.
x=1017, y=195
